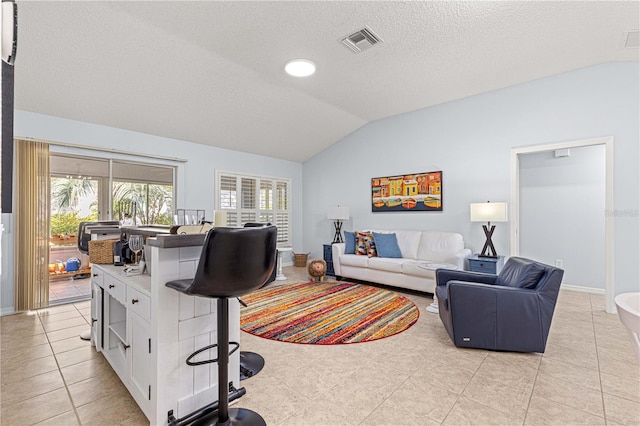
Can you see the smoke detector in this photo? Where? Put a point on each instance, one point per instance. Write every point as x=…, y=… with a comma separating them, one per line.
x=360, y=40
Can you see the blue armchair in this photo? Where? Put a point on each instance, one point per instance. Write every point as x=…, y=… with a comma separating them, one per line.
x=507, y=312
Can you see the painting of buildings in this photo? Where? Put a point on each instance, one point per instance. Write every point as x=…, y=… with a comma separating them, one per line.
x=410, y=192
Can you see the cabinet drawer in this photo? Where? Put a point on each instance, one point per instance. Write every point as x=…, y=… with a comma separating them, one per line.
x=482, y=266
x=97, y=276
x=115, y=288
x=139, y=303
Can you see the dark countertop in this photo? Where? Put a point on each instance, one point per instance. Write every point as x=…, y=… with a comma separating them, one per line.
x=102, y=229
x=146, y=230
x=172, y=241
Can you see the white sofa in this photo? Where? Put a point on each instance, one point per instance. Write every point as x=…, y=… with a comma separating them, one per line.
x=417, y=247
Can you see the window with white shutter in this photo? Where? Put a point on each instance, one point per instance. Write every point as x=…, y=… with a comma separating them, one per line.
x=256, y=199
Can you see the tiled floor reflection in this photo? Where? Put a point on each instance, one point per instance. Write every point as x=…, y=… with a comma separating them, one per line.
x=588, y=375
x=68, y=288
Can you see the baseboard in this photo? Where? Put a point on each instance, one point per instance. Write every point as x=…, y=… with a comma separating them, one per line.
x=7, y=311
x=582, y=289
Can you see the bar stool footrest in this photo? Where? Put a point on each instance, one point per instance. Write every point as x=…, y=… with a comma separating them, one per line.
x=206, y=348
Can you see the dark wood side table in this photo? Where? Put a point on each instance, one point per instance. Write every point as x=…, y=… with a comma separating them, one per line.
x=328, y=257
x=487, y=265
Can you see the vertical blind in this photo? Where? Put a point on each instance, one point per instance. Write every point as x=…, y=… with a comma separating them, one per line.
x=32, y=225
x=256, y=199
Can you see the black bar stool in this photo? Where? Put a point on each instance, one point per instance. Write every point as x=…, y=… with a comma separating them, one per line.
x=251, y=363
x=233, y=262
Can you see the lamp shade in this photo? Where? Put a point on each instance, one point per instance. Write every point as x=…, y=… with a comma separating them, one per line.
x=220, y=218
x=488, y=212
x=338, y=213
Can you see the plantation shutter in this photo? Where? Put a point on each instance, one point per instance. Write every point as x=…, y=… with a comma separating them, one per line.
x=261, y=199
x=227, y=192
x=282, y=221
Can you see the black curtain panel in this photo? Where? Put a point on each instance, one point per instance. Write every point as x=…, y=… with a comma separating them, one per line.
x=7, y=137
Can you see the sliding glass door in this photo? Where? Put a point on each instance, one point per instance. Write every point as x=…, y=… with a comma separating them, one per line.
x=90, y=189
x=142, y=193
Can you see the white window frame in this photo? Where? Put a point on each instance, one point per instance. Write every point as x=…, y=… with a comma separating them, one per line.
x=235, y=215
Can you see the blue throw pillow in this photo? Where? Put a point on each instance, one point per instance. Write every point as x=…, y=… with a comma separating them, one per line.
x=349, y=242
x=387, y=245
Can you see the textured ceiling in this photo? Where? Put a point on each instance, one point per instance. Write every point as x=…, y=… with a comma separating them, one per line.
x=212, y=72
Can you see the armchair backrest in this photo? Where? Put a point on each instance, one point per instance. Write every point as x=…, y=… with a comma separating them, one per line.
x=545, y=280
x=525, y=273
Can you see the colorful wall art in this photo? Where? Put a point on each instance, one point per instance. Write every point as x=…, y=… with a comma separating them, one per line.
x=419, y=192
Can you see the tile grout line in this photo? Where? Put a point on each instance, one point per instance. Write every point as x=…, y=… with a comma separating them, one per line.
x=64, y=382
x=595, y=339
x=387, y=397
x=486, y=355
x=533, y=387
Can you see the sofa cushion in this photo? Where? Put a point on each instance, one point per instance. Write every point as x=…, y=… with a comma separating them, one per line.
x=387, y=245
x=410, y=267
x=408, y=241
x=365, y=243
x=371, y=246
x=354, y=260
x=361, y=243
x=349, y=242
x=437, y=246
x=386, y=264
x=520, y=274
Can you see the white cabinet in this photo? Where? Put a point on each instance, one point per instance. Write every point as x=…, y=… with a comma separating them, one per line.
x=146, y=331
x=96, y=316
x=139, y=358
x=122, y=331
x=115, y=343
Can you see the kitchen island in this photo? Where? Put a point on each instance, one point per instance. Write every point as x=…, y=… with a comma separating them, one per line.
x=146, y=330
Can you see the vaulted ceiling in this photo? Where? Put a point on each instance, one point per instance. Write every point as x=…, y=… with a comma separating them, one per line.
x=212, y=72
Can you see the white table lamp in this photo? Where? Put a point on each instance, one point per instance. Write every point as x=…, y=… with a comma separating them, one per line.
x=488, y=212
x=338, y=214
x=219, y=218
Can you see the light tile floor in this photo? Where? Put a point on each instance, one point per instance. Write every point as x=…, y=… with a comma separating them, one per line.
x=588, y=375
x=61, y=289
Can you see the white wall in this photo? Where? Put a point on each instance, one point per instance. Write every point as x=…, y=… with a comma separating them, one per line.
x=470, y=140
x=562, y=212
x=195, y=183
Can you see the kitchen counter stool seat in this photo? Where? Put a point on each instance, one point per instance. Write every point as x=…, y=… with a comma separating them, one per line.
x=233, y=262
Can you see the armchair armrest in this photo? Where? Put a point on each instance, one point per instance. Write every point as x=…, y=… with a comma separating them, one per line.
x=337, y=250
x=459, y=258
x=445, y=275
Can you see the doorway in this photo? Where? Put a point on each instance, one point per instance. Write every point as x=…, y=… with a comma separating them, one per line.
x=517, y=157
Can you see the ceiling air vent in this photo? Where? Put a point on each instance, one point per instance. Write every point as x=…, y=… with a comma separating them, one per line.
x=361, y=40
x=632, y=39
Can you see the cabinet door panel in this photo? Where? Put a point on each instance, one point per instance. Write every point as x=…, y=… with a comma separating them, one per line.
x=96, y=316
x=139, y=359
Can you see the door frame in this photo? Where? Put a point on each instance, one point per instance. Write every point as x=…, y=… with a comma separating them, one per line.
x=609, y=248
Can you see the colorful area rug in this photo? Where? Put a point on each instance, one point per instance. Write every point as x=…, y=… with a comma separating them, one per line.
x=326, y=313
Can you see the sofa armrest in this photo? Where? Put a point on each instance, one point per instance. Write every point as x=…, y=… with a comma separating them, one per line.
x=443, y=276
x=337, y=250
x=459, y=258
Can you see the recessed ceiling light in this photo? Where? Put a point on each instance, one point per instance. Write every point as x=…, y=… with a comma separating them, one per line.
x=300, y=67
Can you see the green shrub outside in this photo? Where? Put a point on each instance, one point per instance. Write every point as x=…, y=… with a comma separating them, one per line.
x=67, y=224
